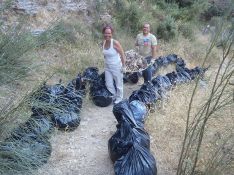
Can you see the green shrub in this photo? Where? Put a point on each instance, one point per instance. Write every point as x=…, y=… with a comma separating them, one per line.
x=218, y=8
x=131, y=17
x=16, y=42
x=189, y=13
x=185, y=3
x=186, y=30
x=212, y=11
x=167, y=29
x=119, y=5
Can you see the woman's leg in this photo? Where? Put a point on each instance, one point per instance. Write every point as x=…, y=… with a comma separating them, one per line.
x=118, y=78
x=110, y=82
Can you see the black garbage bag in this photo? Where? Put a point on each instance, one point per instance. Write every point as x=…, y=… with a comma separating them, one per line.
x=155, y=68
x=131, y=77
x=183, y=77
x=123, y=111
x=172, y=58
x=149, y=88
x=162, y=61
x=159, y=61
x=102, y=77
x=99, y=94
x=185, y=74
x=147, y=94
x=76, y=85
x=56, y=90
x=119, y=143
x=65, y=120
x=190, y=72
x=25, y=154
x=138, y=161
x=47, y=97
x=90, y=74
x=38, y=126
x=180, y=63
x=102, y=97
x=42, y=96
x=139, y=111
x=197, y=71
x=162, y=82
x=172, y=77
x=73, y=99
x=123, y=139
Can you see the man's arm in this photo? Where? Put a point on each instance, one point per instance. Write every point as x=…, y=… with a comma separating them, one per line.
x=154, y=51
x=154, y=47
x=136, y=42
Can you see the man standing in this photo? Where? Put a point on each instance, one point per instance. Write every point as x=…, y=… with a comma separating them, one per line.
x=146, y=43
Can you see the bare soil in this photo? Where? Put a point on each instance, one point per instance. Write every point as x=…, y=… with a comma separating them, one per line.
x=85, y=150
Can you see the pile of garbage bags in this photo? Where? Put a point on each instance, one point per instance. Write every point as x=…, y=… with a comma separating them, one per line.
x=27, y=147
x=129, y=147
x=59, y=106
x=62, y=104
x=184, y=73
x=99, y=94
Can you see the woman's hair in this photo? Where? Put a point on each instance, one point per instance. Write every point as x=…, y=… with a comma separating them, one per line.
x=107, y=27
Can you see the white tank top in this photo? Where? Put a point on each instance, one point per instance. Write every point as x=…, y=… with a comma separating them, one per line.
x=111, y=56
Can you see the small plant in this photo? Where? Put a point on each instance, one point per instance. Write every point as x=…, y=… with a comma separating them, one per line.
x=185, y=3
x=218, y=8
x=130, y=18
x=186, y=30
x=167, y=29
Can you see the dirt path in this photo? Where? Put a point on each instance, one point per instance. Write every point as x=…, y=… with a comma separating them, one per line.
x=85, y=150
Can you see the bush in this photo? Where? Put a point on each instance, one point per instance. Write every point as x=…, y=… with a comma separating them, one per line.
x=167, y=29
x=218, y=8
x=186, y=30
x=131, y=17
x=119, y=5
x=212, y=11
x=17, y=41
x=185, y=3
x=190, y=13
x=13, y=45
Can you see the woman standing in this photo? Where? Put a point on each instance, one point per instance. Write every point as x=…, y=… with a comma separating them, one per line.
x=114, y=64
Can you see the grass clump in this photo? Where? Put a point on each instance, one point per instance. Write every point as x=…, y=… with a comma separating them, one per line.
x=167, y=29
x=186, y=30
x=131, y=18
x=220, y=96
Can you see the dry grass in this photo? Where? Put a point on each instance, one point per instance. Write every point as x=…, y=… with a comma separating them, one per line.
x=167, y=125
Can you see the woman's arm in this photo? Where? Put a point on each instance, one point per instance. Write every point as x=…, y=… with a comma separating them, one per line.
x=120, y=50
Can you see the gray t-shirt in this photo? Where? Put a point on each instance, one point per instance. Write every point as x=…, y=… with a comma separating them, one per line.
x=145, y=44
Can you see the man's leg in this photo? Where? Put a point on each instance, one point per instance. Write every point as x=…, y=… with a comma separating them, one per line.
x=147, y=74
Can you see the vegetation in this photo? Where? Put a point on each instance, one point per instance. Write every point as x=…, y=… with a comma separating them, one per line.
x=68, y=47
x=220, y=96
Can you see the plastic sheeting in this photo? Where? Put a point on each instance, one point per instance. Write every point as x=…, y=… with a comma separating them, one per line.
x=138, y=160
x=100, y=95
x=123, y=140
x=67, y=121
